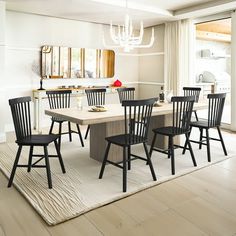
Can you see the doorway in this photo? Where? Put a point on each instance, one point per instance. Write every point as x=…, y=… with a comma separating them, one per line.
x=213, y=62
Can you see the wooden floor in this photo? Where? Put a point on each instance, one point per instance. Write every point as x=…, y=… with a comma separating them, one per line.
x=200, y=203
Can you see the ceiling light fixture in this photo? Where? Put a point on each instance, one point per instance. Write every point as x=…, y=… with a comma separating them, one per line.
x=125, y=37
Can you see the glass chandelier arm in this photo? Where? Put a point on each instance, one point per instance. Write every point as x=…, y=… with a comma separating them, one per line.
x=107, y=45
x=124, y=37
x=152, y=39
x=116, y=38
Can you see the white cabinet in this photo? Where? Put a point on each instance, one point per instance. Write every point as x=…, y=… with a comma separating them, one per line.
x=206, y=88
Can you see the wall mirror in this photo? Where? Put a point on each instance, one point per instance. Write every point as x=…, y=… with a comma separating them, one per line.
x=65, y=62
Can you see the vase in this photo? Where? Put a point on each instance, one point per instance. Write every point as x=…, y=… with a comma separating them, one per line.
x=117, y=83
x=169, y=95
x=79, y=102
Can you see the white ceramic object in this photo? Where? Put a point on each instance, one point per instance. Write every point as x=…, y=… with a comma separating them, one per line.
x=169, y=95
x=79, y=102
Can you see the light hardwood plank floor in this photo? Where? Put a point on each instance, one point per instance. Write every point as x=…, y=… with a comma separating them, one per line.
x=200, y=203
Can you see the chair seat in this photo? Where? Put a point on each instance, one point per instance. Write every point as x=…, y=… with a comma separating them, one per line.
x=170, y=131
x=200, y=123
x=55, y=119
x=38, y=140
x=125, y=139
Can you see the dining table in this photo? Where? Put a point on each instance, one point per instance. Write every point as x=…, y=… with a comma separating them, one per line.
x=110, y=121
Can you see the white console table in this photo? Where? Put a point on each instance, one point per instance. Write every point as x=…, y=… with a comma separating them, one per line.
x=39, y=95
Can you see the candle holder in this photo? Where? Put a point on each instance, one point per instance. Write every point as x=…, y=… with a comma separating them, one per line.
x=41, y=84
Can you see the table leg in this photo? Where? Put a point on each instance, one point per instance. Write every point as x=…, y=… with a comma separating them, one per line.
x=39, y=114
x=35, y=113
x=98, y=133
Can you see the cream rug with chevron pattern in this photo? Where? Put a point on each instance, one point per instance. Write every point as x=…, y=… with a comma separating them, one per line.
x=79, y=190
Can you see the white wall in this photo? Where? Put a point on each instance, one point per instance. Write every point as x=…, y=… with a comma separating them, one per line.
x=151, y=64
x=2, y=70
x=26, y=33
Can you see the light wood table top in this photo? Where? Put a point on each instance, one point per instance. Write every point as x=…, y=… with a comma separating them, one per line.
x=114, y=112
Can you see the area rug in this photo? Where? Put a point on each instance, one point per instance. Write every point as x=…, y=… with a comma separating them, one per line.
x=79, y=190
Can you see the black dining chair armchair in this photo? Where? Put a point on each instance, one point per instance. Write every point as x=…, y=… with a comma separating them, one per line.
x=61, y=99
x=20, y=109
x=126, y=93
x=215, y=110
x=137, y=118
x=95, y=97
x=182, y=111
x=193, y=91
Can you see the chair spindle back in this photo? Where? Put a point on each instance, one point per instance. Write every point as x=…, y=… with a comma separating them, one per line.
x=20, y=109
x=182, y=111
x=215, y=108
x=137, y=118
x=126, y=94
x=96, y=97
x=59, y=99
x=192, y=91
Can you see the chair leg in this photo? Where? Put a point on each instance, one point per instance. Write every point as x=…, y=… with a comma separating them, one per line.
x=87, y=131
x=208, y=146
x=124, y=170
x=169, y=147
x=195, y=113
x=60, y=157
x=200, y=139
x=80, y=135
x=152, y=145
x=59, y=140
x=222, y=141
x=149, y=162
x=104, y=160
x=172, y=156
x=47, y=167
x=15, y=166
x=185, y=144
x=69, y=131
x=51, y=127
x=129, y=158
x=190, y=150
x=30, y=158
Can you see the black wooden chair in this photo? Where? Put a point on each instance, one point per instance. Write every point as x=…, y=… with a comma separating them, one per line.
x=95, y=97
x=182, y=111
x=61, y=99
x=215, y=110
x=126, y=94
x=137, y=118
x=20, y=108
x=193, y=91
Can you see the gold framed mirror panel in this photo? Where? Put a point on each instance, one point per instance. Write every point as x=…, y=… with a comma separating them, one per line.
x=65, y=62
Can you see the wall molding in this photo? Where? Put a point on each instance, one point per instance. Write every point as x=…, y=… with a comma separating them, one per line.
x=143, y=82
x=9, y=128
x=140, y=54
x=16, y=87
x=151, y=83
x=16, y=48
x=23, y=87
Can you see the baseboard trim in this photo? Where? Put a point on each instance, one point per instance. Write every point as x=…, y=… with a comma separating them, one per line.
x=3, y=137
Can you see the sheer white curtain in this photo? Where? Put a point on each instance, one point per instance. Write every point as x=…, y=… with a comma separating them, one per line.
x=179, y=55
x=233, y=71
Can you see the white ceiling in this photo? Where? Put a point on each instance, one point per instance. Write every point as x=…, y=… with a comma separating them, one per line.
x=152, y=12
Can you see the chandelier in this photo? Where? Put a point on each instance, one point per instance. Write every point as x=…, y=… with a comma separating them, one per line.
x=124, y=36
